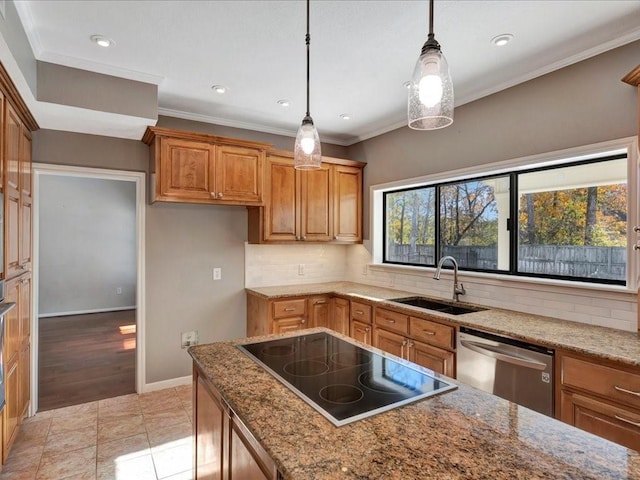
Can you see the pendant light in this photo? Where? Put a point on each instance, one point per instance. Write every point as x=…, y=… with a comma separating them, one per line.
x=306, y=153
x=431, y=90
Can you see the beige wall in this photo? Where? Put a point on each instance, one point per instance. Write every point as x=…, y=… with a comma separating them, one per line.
x=579, y=105
x=183, y=244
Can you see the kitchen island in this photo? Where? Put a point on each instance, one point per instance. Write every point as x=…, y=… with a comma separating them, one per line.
x=462, y=434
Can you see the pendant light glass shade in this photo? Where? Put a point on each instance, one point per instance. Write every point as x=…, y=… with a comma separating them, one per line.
x=306, y=152
x=430, y=103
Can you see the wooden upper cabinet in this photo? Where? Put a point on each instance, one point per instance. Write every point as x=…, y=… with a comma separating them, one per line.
x=26, y=201
x=280, y=211
x=197, y=168
x=13, y=141
x=322, y=205
x=347, y=188
x=316, y=204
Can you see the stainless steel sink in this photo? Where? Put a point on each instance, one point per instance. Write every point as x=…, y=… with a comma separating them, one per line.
x=437, y=305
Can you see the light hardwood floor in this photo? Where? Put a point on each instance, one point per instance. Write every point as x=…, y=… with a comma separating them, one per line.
x=82, y=358
x=131, y=437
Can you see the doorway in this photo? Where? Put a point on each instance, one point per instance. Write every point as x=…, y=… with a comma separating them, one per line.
x=88, y=300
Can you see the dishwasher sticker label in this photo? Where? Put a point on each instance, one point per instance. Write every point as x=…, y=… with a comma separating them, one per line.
x=546, y=378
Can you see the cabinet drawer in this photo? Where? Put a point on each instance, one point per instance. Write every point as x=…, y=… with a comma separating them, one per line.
x=289, y=308
x=392, y=320
x=431, y=332
x=608, y=421
x=611, y=383
x=361, y=312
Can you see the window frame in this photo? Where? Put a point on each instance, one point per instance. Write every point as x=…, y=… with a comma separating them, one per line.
x=617, y=149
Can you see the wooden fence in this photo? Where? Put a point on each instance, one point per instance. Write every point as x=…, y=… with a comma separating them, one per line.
x=573, y=261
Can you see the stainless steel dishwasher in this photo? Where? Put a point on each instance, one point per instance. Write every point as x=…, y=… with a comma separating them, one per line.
x=509, y=368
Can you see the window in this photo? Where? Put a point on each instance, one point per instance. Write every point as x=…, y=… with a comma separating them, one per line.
x=564, y=221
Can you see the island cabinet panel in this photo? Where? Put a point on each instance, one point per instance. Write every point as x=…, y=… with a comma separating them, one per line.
x=601, y=399
x=224, y=448
x=322, y=205
x=197, y=168
x=339, y=319
x=319, y=308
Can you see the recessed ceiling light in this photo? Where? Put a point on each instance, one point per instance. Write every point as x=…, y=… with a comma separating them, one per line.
x=502, y=40
x=406, y=84
x=102, y=41
x=284, y=103
x=219, y=89
x=345, y=116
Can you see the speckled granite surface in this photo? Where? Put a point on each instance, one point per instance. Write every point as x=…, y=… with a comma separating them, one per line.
x=599, y=341
x=464, y=434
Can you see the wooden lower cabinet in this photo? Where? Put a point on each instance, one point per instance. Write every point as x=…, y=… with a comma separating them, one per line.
x=361, y=332
x=11, y=415
x=292, y=324
x=224, y=448
x=428, y=356
x=601, y=399
x=319, y=308
x=339, y=319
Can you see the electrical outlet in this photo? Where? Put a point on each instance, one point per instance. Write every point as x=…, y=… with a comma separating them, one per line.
x=301, y=269
x=189, y=339
x=365, y=270
x=119, y=291
x=217, y=273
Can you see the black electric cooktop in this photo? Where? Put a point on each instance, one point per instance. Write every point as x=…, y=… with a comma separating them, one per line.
x=343, y=381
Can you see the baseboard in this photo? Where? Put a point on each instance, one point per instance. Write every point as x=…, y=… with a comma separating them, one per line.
x=83, y=312
x=172, y=382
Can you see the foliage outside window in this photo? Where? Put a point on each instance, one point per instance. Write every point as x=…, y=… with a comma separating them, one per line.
x=567, y=222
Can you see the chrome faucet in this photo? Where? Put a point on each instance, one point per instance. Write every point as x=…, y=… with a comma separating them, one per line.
x=458, y=288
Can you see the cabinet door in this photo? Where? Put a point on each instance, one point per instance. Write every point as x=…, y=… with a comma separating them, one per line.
x=239, y=174
x=390, y=342
x=209, y=434
x=292, y=324
x=339, y=320
x=24, y=308
x=433, y=358
x=26, y=201
x=612, y=422
x=319, y=311
x=12, y=336
x=361, y=331
x=11, y=414
x=316, y=205
x=281, y=216
x=242, y=462
x=13, y=140
x=24, y=378
x=347, y=194
x=186, y=170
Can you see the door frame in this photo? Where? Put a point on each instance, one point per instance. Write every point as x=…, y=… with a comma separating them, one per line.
x=138, y=178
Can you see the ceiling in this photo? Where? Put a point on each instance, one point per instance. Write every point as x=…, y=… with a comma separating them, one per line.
x=361, y=52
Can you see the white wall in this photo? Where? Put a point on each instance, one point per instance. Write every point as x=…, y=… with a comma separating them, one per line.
x=87, y=245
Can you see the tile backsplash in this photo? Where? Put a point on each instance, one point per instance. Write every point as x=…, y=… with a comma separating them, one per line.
x=268, y=265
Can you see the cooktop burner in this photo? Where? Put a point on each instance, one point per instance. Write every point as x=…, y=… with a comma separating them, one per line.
x=342, y=381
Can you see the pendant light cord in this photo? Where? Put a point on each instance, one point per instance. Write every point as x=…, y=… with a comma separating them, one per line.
x=308, y=41
x=431, y=17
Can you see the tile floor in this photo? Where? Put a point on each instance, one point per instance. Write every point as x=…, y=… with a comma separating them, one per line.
x=132, y=437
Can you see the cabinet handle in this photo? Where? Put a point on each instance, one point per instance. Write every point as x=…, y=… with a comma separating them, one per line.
x=335, y=237
x=320, y=302
x=304, y=237
x=636, y=247
x=428, y=332
x=626, y=420
x=220, y=195
x=359, y=312
x=213, y=194
x=624, y=390
x=389, y=320
x=636, y=229
x=303, y=320
x=298, y=237
x=289, y=309
x=366, y=329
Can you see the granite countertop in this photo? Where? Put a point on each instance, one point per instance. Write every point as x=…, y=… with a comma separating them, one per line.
x=597, y=341
x=463, y=434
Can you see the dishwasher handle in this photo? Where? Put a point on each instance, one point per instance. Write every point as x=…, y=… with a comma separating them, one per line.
x=494, y=352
